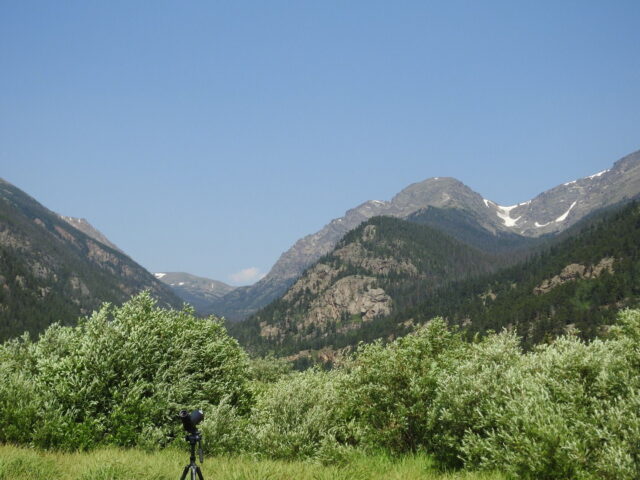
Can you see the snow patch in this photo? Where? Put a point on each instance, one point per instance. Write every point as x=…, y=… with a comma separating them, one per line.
x=564, y=216
x=597, y=174
x=487, y=202
x=159, y=275
x=540, y=225
x=505, y=215
x=524, y=203
x=181, y=283
x=569, y=183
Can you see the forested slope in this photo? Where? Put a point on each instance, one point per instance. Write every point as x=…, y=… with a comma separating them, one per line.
x=383, y=266
x=53, y=272
x=579, y=283
x=576, y=281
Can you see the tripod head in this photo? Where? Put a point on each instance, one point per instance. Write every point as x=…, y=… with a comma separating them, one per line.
x=193, y=439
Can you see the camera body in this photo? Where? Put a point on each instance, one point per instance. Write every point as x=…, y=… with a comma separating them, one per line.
x=191, y=420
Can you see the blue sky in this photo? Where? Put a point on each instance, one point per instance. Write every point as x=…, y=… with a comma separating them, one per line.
x=208, y=137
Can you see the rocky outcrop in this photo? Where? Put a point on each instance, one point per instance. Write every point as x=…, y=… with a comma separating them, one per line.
x=353, y=295
x=573, y=272
x=355, y=254
x=317, y=279
x=346, y=302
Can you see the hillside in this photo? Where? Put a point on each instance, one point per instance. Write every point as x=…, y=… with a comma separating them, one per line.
x=384, y=266
x=53, y=272
x=579, y=283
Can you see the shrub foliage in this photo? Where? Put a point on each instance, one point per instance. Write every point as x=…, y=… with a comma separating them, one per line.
x=567, y=409
x=119, y=377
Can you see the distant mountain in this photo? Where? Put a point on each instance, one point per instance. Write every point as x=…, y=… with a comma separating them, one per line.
x=465, y=227
x=52, y=272
x=579, y=280
x=549, y=213
x=557, y=209
x=197, y=291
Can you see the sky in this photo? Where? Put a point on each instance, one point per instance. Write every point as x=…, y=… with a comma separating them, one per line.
x=207, y=137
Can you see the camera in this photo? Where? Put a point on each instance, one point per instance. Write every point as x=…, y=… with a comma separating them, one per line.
x=190, y=423
x=191, y=420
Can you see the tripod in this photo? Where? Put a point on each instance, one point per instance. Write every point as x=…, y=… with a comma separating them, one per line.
x=194, y=438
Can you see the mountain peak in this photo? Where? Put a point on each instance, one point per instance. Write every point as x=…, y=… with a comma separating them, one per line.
x=550, y=212
x=436, y=192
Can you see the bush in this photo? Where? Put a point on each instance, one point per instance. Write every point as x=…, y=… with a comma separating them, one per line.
x=121, y=376
x=18, y=405
x=298, y=416
x=570, y=410
x=224, y=429
x=469, y=392
x=389, y=390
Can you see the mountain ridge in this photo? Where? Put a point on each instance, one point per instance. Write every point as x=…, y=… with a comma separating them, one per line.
x=51, y=271
x=577, y=280
x=550, y=212
x=197, y=291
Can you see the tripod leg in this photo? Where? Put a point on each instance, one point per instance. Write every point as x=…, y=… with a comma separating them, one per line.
x=199, y=473
x=184, y=472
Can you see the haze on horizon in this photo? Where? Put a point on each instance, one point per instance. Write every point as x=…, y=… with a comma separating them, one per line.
x=208, y=138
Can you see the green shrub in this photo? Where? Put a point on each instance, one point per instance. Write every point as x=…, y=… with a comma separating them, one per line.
x=121, y=376
x=389, y=390
x=570, y=411
x=19, y=405
x=225, y=429
x=298, y=416
x=469, y=392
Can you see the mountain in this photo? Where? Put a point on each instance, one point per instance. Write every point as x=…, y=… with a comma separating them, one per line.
x=197, y=291
x=562, y=206
x=464, y=226
x=85, y=227
x=578, y=280
x=51, y=271
x=383, y=266
x=437, y=192
x=549, y=213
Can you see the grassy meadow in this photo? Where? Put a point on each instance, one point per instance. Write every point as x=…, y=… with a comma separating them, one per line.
x=120, y=464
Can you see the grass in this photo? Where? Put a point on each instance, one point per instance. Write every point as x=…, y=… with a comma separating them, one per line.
x=120, y=464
